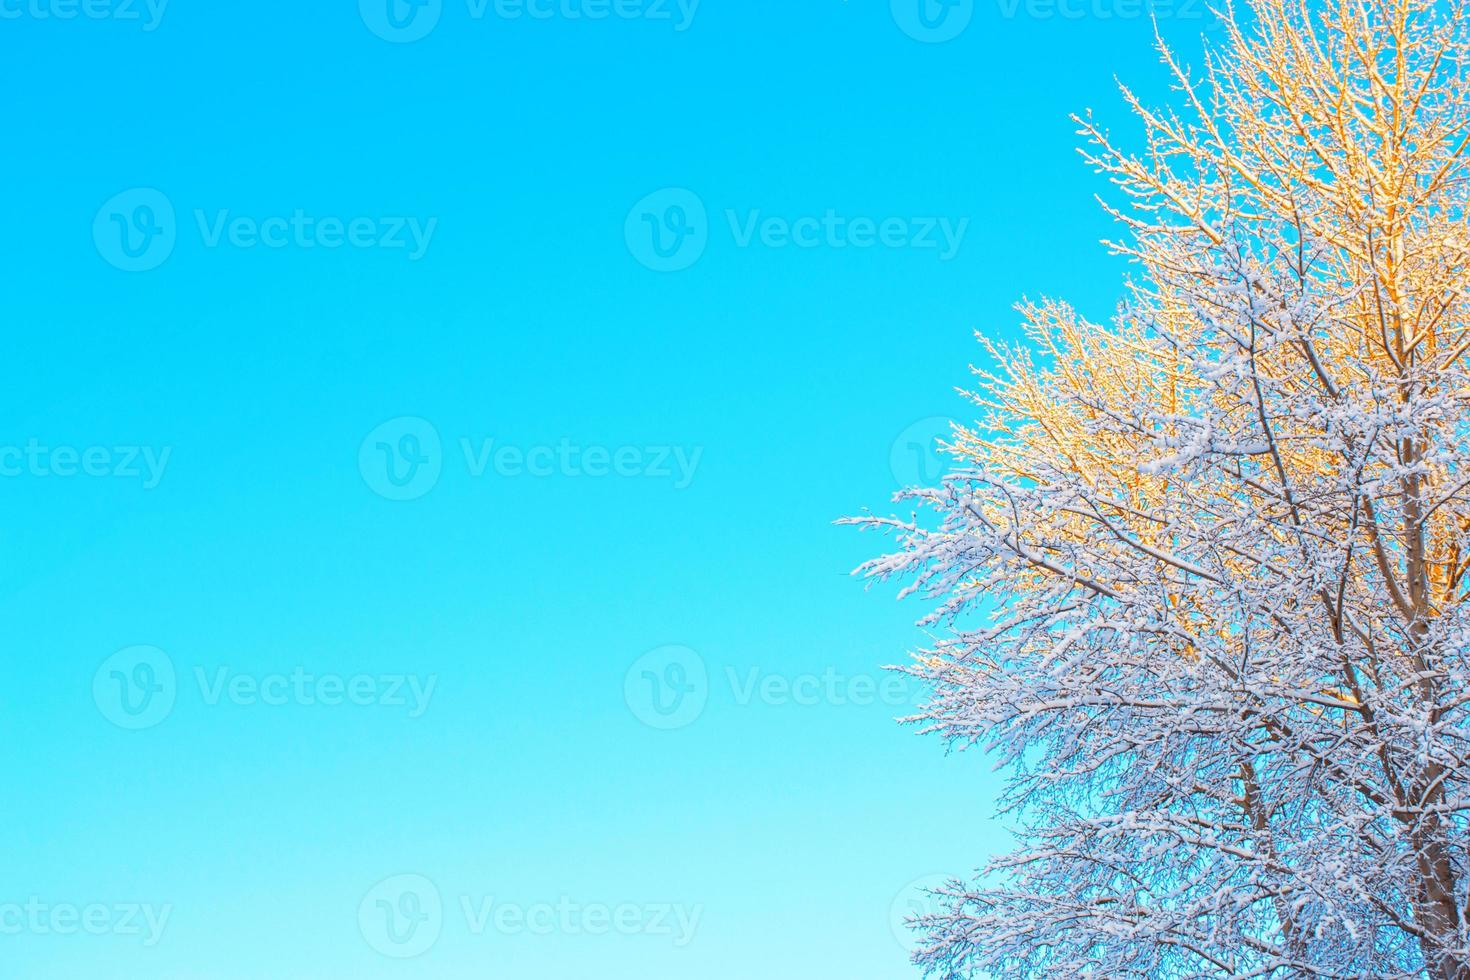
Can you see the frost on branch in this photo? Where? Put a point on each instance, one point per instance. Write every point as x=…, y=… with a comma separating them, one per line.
x=1202, y=569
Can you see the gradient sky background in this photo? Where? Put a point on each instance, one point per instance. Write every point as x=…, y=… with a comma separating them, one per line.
x=530, y=319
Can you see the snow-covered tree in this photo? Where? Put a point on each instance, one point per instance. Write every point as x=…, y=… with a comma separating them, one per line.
x=1200, y=573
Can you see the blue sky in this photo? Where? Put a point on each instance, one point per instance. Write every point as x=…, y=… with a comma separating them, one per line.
x=410, y=553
